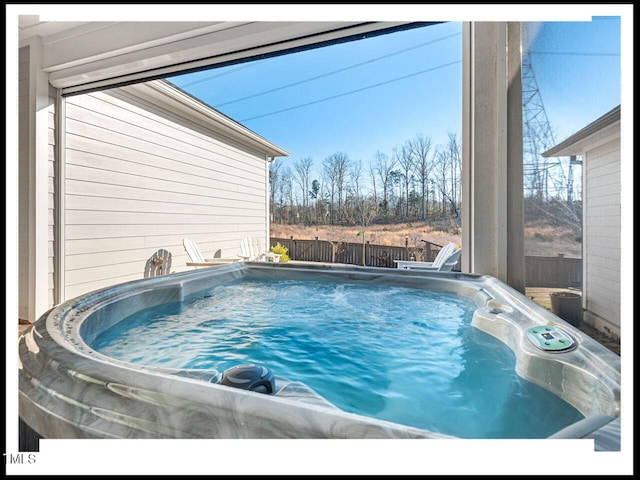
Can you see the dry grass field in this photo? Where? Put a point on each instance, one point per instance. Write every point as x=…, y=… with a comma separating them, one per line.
x=548, y=241
x=540, y=240
x=386, y=234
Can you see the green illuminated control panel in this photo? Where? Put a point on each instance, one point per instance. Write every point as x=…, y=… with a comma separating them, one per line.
x=550, y=338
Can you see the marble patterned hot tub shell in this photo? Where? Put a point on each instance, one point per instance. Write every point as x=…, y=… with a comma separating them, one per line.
x=68, y=390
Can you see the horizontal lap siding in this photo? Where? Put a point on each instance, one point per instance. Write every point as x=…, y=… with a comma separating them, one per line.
x=602, y=226
x=140, y=179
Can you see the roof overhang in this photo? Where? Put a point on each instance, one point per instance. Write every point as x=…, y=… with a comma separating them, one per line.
x=602, y=130
x=166, y=95
x=84, y=56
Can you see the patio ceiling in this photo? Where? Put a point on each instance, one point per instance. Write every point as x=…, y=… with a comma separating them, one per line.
x=83, y=56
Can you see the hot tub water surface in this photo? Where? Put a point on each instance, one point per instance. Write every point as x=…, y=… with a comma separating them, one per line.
x=405, y=355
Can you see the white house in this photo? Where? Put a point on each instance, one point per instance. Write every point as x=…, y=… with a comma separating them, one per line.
x=130, y=172
x=145, y=166
x=599, y=145
x=101, y=190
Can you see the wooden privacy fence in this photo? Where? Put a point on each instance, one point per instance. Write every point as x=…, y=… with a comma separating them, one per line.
x=351, y=253
x=556, y=272
x=552, y=272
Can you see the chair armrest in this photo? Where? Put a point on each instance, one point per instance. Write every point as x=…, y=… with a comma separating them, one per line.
x=412, y=264
x=204, y=264
x=423, y=267
x=273, y=257
x=268, y=257
x=222, y=260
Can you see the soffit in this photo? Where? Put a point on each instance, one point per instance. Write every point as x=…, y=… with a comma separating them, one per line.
x=80, y=57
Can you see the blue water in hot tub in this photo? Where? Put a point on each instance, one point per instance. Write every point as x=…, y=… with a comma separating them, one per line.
x=404, y=355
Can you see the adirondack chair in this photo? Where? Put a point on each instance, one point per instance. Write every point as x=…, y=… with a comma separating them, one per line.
x=444, y=266
x=251, y=251
x=442, y=256
x=451, y=261
x=197, y=258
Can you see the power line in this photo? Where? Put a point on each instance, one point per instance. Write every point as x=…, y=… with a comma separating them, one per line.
x=227, y=72
x=253, y=64
x=352, y=91
x=336, y=71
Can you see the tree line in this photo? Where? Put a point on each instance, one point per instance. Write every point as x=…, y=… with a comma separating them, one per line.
x=415, y=181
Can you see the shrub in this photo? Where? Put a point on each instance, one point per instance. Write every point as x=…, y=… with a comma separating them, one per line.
x=282, y=250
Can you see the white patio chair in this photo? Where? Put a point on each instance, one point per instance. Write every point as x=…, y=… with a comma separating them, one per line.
x=442, y=255
x=251, y=250
x=451, y=262
x=446, y=266
x=198, y=260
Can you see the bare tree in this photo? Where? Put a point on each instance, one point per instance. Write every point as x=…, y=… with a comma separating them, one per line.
x=286, y=194
x=420, y=147
x=441, y=169
x=407, y=165
x=355, y=173
x=342, y=163
x=330, y=173
x=302, y=170
x=395, y=180
x=336, y=167
x=383, y=166
x=402, y=184
x=353, y=187
x=446, y=182
x=372, y=174
x=315, y=194
x=274, y=185
x=323, y=204
x=455, y=166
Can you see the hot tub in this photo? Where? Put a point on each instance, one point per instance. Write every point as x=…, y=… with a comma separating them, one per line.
x=70, y=389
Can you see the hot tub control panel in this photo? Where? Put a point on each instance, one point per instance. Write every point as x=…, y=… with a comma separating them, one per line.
x=550, y=338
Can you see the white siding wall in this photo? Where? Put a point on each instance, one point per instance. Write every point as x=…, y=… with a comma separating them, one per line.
x=602, y=236
x=139, y=178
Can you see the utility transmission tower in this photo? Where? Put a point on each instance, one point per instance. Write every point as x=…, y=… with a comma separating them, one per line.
x=542, y=176
x=536, y=136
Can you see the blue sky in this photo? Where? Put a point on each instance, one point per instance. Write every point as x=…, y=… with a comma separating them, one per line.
x=577, y=69
x=355, y=97
x=374, y=94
